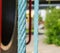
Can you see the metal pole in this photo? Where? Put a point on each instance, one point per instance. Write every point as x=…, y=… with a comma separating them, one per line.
x=30, y=21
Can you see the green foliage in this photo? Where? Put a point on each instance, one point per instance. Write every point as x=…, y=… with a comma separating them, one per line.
x=52, y=26
x=40, y=18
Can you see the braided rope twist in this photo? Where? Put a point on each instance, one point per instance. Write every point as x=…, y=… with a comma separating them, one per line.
x=21, y=26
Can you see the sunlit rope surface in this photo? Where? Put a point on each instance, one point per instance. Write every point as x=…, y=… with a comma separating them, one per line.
x=22, y=26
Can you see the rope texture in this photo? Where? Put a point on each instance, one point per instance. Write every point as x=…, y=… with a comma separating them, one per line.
x=22, y=26
x=36, y=8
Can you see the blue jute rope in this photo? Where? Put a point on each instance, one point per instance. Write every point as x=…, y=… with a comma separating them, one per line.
x=36, y=8
x=22, y=26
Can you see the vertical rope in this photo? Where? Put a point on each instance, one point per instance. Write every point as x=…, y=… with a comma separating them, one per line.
x=21, y=26
x=36, y=7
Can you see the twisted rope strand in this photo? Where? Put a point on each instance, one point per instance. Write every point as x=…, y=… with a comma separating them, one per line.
x=21, y=26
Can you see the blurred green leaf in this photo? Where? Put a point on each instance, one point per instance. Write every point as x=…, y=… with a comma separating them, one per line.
x=52, y=26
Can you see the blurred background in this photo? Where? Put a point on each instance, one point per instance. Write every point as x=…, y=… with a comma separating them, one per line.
x=49, y=35
x=48, y=27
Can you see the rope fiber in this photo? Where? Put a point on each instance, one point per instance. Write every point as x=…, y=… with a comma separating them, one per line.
x=22, y=26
